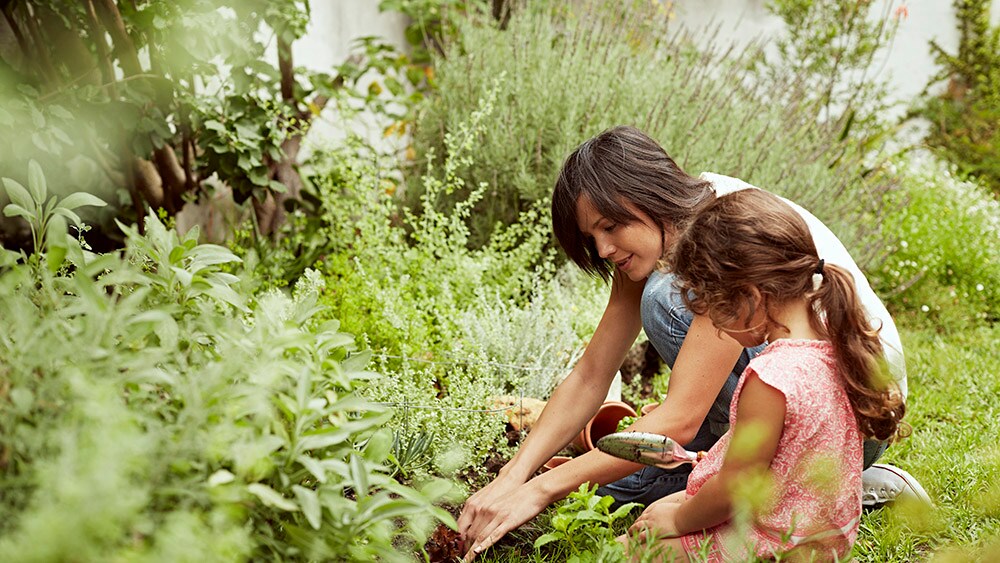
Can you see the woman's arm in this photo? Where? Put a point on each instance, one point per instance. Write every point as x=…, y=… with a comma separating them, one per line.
x=508, y=502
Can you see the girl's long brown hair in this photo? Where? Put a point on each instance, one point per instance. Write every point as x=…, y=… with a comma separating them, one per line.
x=752, y=240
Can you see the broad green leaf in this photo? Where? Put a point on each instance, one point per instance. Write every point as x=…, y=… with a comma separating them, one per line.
x=221, y=477
x=226, y=295
x=36, y=181
x=18, y=194
x=209, y=255
x=183, y=276
x=339, y=434
x=314, y=466
x=444, y=516
x=545, y=539
x=357, y=361
x=310, y=505
x=270, y=497
x=389, y=510
x=56, y=242
x=15, y=210
x=436, y=488
x=359, y=475
x=624, y=510
x=378, y=446
x=81, y=199
x=73, y=217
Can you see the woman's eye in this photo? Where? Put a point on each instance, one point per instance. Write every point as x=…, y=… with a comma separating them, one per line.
x=610, y=227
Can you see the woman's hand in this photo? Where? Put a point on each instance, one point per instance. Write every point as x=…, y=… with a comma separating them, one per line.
x=495, y=510
x=659, y=518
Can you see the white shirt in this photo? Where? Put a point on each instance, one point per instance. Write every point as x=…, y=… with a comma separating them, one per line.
x=833, y=251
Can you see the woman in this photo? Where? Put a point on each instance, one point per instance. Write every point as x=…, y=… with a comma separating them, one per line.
x=617, y=206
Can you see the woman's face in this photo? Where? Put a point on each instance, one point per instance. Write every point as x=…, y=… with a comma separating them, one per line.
x=635, y=248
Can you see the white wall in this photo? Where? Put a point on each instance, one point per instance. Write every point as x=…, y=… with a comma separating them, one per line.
x=907, y=65
x=333, y=27
x=336, y=23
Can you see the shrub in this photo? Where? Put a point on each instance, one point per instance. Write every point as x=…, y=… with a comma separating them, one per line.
x=943, y=258
x=568, y=74
x=452, y=325
x=150, y=409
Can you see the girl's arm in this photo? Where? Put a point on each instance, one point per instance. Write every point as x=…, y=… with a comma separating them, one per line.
x=760, y=419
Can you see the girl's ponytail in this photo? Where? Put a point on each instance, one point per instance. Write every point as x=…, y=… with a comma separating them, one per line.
x=838, y=314
x=750, y=247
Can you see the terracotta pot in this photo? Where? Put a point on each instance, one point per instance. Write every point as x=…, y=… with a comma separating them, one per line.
x=603, y=423
x=556, y=461
x=648, y=408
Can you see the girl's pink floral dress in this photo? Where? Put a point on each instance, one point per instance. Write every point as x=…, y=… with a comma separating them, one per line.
x=816, y=468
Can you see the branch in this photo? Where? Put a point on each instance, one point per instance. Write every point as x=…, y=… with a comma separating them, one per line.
x=287, y=71
x=48, y=71
x=8, y=14
x=103, y=54
x=124, y=48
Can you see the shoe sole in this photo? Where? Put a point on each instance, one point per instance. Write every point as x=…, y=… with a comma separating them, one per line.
x=908, y=479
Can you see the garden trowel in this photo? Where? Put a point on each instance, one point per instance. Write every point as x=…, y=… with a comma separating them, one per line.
x=646, y=448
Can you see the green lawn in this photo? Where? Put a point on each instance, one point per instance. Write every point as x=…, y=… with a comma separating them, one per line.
x=954, y=391
x=953, y=408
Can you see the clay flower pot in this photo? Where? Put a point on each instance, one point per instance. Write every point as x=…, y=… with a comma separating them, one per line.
x=556, y=461
x=648, y=408
x=603, y=423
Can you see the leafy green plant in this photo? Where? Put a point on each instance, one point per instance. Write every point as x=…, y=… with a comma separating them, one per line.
x=942, y=261
x=410, y=451
x=46, y=216
x=583, y=526
x=452, y=325
x=151, y=409
x=143, y=102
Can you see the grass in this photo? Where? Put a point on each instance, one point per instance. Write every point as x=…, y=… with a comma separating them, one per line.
x=953, y=452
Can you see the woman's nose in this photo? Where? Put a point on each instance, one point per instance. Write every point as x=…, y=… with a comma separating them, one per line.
x=604, y=247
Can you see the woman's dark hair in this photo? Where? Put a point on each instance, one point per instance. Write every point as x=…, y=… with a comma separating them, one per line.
x=751, y=243
x=621, y=166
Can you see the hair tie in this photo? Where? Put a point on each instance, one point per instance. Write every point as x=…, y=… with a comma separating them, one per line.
x=817, y=277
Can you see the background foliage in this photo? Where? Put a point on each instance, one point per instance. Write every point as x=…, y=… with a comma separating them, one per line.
x=154, y=411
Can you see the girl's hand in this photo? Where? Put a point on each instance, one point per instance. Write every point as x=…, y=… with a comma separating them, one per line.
x=659, y=519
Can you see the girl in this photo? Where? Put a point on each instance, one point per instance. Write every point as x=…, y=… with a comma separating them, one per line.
x=616, y=209
x=803, y=404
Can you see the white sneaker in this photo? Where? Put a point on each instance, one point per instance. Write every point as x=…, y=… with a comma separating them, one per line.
x=883, y=483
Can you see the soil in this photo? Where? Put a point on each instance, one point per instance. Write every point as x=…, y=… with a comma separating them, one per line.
x=444, y=544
